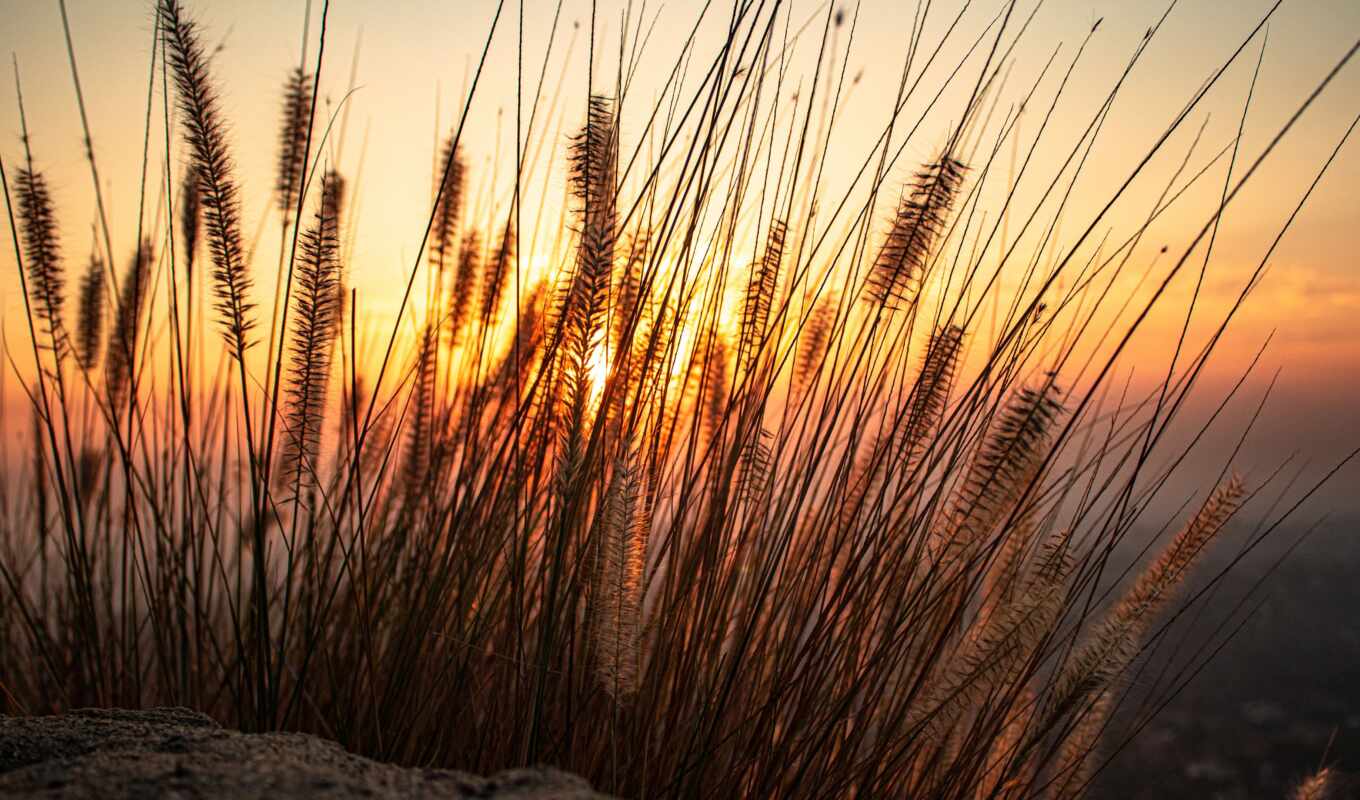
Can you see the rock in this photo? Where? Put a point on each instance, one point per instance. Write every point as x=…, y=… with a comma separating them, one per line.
x=180, y=754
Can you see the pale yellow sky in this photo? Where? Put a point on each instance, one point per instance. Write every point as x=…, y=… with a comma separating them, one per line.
x=417, y=56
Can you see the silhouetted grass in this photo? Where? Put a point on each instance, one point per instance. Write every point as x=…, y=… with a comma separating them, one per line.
x=763, y=492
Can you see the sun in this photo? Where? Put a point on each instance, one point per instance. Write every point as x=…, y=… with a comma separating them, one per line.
x=597, y=372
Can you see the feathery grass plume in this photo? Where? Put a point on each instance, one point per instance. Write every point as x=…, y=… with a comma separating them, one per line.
x=584, y=302
x=593, y=173
x=494, y=279
x=449, y=210
x=990, y=660
x=333, y=195
x=1003, y=467
x=1093, y=669
x=1074, y=766
x=715, y=390
x=924, y=410
x=333, y=208
x=314, y=328
x=930, y=393
x=462, y=290
x=865, y=481
x=90, y=325
x=618, y=584
x=754, y=465
x=1318, y=786
x=293, y=127
x=121, y=356
x=41, y=506
x=760, y=288
x=213, y=166
x=1114, y=644
x=999, y=577
x=1008, y=774
x=416, y=460
x=353, y=410
x=42, y=254
x=649, y=353
x=628, y=288
x=1087, y=685
x=753, y=451
x=520, y=357
x=813, y=340
x=87, y=470
x=900, y=267
x=190, y=219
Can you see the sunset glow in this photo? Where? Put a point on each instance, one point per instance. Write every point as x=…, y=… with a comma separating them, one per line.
x=942, y=342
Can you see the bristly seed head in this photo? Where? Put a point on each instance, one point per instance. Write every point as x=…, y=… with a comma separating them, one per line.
x=293, y=128
x=898, y=271
x=42, y=257
x=205, y=131
x=90, y=329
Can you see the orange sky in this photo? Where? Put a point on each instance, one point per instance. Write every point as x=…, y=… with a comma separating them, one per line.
x=417, y=56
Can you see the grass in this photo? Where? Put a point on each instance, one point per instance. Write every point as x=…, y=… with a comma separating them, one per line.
x=760, y=492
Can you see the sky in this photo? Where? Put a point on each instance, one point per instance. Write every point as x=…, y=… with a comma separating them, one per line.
x=415, y=59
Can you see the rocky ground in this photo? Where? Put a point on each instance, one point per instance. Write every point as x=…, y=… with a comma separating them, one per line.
x=176, y=753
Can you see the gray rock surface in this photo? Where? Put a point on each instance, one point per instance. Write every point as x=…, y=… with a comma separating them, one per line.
x=180, y=754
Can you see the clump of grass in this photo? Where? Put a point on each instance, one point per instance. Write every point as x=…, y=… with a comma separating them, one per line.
x=682, y=515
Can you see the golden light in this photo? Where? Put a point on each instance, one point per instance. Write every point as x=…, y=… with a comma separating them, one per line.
x=597, y=372
x=684, y=349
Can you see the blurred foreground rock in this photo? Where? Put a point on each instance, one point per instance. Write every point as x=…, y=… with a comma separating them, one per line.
x=177, y=753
